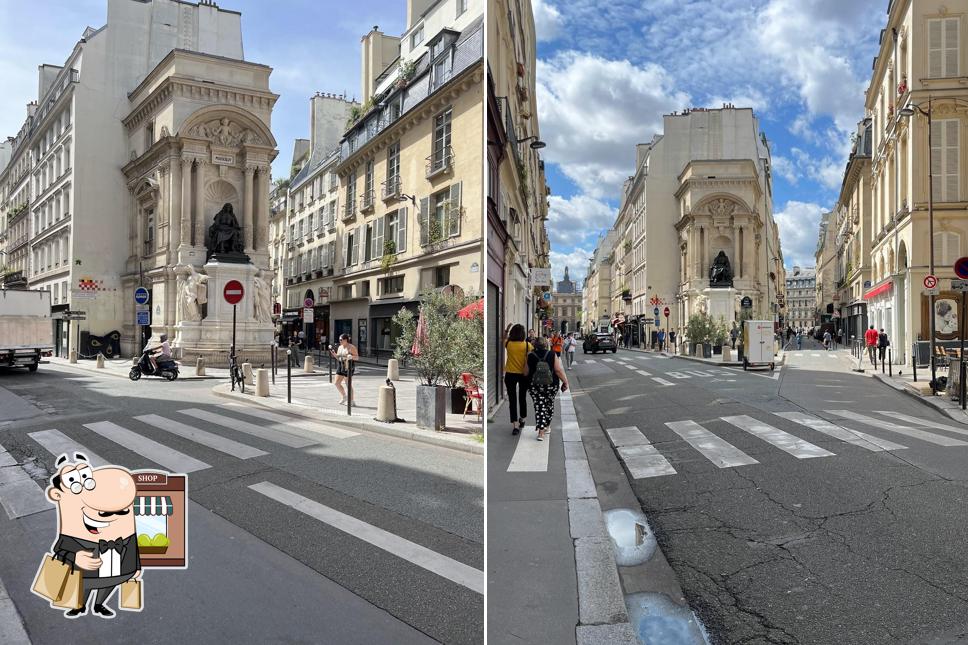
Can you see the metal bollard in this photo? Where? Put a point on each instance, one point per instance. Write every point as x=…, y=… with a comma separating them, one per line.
x=288, y=376
x=349, y=386
x=882, y=363
x=914, y=364
x=273, y=352
x=330, y=368
x=890, y=363
x=961, y=384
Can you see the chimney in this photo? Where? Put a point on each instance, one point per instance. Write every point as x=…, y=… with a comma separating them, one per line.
x=31, y=108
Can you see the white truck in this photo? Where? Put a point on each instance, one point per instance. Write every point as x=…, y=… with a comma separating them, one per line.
x=26, y=330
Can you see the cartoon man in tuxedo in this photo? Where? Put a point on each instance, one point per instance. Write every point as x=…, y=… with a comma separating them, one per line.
x=96, y=527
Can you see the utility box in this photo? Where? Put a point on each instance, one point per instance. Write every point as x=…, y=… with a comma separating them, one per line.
x=758, y=340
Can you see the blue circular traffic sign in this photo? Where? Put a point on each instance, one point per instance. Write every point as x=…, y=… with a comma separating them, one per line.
x=655, y=311
x=961, y=268
x=141, y=296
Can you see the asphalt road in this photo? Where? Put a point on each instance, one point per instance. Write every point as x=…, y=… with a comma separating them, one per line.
x=265, y=564
x=782, y=533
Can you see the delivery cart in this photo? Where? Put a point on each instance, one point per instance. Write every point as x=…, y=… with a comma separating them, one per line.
x=758, y=340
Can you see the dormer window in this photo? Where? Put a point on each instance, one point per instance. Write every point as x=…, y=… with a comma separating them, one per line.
x=417, y=37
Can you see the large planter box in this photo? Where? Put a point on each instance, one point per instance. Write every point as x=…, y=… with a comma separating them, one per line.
x=432, y=407
x=707, y=350
x=718, y=349
x=739, y=352
x=458, y=400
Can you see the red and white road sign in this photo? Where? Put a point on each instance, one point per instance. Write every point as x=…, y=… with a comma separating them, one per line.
x=233, y=292
x=930, y=281
x=666, y=312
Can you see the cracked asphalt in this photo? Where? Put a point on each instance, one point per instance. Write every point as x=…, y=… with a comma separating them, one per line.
x=857, y=548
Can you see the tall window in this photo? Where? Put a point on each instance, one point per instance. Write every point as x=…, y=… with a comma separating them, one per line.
x=393, y=168
x=461, y=7
x=149, y=134
x=417, y=37
x=396, y=229
x=440, y=215
x=947, y=248
x=943, y=47
x=368, y=184
x=351, y=193
x=149, y=231
x=441, y=151
x=945, y=151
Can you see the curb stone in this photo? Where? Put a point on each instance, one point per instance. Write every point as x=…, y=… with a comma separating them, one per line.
x=437, y=439
x=936, y=403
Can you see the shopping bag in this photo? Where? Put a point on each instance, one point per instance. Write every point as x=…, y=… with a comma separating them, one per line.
x=73, y=595
x=51, y=578
x=131, y=595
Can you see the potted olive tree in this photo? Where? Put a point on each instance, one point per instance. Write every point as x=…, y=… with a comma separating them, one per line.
x=699, y=330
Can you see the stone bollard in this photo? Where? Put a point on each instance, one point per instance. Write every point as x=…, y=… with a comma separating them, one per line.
x=308, y=364
x=199, y=366
x=262, y=382
x=72, y=358
x=385, y=408
x=727, y=354
x=247, y=373
x=100, y=361
x=393, y=369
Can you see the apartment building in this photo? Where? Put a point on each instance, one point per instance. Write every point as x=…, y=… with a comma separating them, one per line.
x=800, y=304
x=409, y=172
x=827, y=295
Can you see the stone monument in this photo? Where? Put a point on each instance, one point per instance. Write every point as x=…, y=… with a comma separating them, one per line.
x=720, y=294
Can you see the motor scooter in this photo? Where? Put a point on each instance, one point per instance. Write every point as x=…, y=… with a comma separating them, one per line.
x=167, y=368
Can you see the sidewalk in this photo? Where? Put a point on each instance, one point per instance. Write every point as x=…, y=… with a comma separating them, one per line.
x=121, y=366
x=921, y=390
x=314, y=397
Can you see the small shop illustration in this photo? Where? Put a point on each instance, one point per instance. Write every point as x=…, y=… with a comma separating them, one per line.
x=111, y=524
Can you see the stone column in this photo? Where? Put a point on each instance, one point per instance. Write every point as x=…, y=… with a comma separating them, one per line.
x=259, y=240
x=737, y=267
x=174, y=204
x=186, y=202
x=199, y=214
x=247, y=201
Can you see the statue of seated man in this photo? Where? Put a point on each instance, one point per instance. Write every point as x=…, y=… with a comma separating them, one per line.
x=225, y=234
x=720, y=273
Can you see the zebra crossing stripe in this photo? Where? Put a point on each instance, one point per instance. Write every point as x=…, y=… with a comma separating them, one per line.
x=626, y=436
x=19, y=494
x=643, y=373
x=854, y=437
x=695, y=373
x=286, y=420
x=421, y=556
x=930, y=437
x=609, y=360
x=922, y=422
x=717, y=450
x=213, y=441
x=57, y=443
x=677, y=375
x=631, y=367
x=783, y=440
x=645, y=461
x=662, y=381
x=262, y=432
x=170, y=458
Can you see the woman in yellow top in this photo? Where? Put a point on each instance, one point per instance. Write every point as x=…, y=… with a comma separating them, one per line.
x=516, y=350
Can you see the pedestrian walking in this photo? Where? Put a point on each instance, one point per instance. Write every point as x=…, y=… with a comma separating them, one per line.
x=800, y=339
x=660, y=339
x=546, y=376
x=557, y=343
x=870, y=339
x=516, y=350
x=733, y=333
x=531, y=336
x=827, y=338
x=346, y=356
x=882, y=344
x=571, y=345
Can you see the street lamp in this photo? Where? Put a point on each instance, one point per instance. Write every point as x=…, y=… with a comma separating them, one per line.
x=536, y=144
x=907, y=112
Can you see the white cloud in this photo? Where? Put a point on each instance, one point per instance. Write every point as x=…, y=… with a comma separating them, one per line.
x=785, y=168
x=593, y=111
x=577, y=219
x=548, y=21
x=826, y=171
x=748, y=97
x=576, y=260
x=799, y=223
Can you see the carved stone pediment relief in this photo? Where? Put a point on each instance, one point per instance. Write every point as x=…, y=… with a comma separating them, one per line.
x=227, y=133
x=721, y=207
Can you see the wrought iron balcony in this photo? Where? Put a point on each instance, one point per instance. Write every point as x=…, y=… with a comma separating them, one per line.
x=440, y=162
x=391, y=189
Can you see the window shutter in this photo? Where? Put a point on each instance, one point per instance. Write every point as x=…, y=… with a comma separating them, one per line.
x=951, y=160
x=355, y=244
x=378, y=237
x=937, y=150
x=424, y=221
x=935, y=49
x=346, y=248
x=951, y=28
x=401, y=230
x=454, y=213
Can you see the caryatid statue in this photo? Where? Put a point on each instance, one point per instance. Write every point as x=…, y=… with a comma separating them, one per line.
x=720, y=273
x=193, y=295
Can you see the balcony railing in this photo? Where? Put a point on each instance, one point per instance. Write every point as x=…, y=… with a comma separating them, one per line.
x=391, y=188
x=149, y=248
x=349, y=211
x=440, y=162
x=366, y=200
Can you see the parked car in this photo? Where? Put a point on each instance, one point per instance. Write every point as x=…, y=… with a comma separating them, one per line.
x=599, y=342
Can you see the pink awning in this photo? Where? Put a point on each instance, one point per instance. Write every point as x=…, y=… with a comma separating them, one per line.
x=879, y=289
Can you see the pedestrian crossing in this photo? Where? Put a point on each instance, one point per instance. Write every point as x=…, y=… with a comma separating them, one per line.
x=644, y=460
x=21, y=494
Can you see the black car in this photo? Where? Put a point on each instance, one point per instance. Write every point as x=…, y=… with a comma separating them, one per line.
x=600, y=342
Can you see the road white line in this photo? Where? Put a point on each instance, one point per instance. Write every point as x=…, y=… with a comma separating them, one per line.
x=715, y=449
x=57, y=443
x=854, y=437
x=587, y=360
x=530, y=455
x=19, y=494
x=783, y=440
x=278, y=436
x=645, y=461
x=930, y=437
x=170, y=458
x=814, y=355
x=678, y=375
x=609, y=360
x=626, y=436
x=321, y=428
x=631, y=367
x=662, y=381
x=695, y=373
x=421, y=556
x=922, y=422
x=213, y=441
x=643, y=373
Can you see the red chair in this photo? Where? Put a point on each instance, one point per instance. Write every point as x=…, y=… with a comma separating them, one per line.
x=472, y=393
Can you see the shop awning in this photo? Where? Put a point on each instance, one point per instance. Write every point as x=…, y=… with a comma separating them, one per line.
x=879, y=289
x=152, y=506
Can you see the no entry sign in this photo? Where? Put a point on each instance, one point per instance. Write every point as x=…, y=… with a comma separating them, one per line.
x=961, y=268
x=930, y=281
x=233, y=292
x=666, y=312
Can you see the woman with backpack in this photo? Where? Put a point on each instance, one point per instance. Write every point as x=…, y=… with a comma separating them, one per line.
x=546, y=375
x=516, y=350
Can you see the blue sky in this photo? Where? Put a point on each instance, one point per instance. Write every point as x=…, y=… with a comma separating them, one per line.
x=312, y=45
x=608, y=71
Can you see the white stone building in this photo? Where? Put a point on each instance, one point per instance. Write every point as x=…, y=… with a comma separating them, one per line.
x=801, y=298
x=150, y=125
